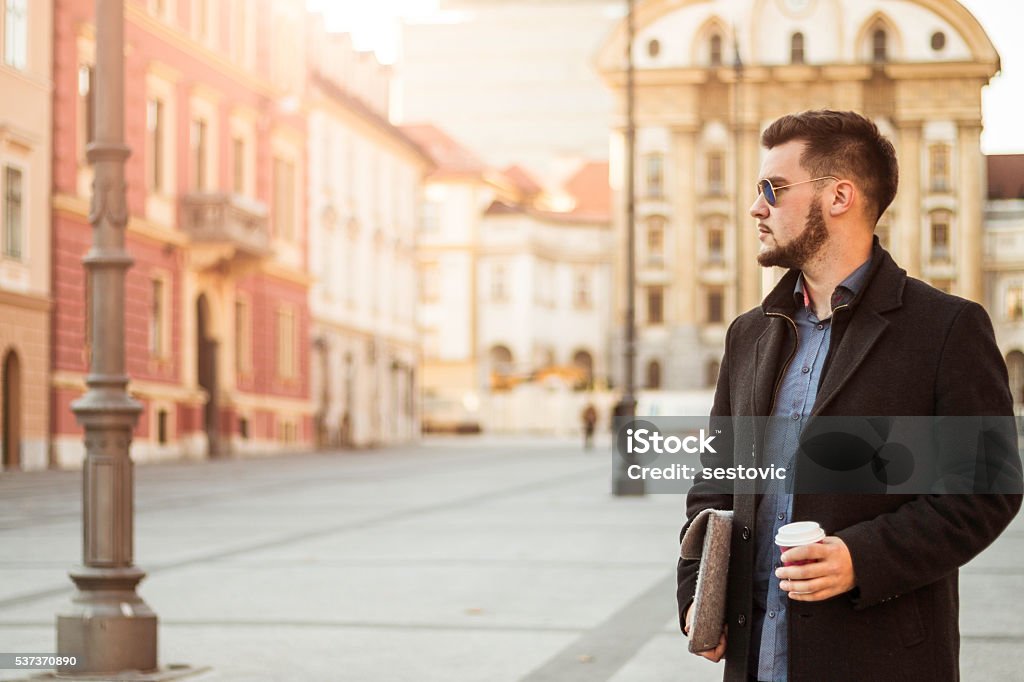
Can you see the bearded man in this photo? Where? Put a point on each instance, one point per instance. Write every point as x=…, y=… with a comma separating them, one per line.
x=845, y=333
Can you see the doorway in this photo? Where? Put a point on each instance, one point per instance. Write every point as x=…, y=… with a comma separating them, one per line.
x=11, y=418
x=206, y=356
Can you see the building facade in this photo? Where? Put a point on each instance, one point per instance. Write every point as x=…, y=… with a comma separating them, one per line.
x=514, y=288
x=26, y=53
x=365, y=178
x=712, y=75
x=1004, y=263
x=218, y=314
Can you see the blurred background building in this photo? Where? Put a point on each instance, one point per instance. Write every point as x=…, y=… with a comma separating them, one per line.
x=711, y=76
x=26, y=54
x=364, y=192
x=334, y=252
x=218, y=318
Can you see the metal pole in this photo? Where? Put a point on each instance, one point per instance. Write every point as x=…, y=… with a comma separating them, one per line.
x=621, y=483
x=107, y=626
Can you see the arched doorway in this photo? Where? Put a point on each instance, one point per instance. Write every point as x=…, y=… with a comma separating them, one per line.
x=584, y=361
x=11, y=411
x=206, y=360
x=653, y=375
x=501, y=364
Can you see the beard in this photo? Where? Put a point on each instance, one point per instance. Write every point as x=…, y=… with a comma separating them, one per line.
x=803, y=247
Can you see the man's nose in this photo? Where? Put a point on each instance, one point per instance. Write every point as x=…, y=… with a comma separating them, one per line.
x=759, y=209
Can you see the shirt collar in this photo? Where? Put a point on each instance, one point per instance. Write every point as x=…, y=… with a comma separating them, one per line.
x=844, y=292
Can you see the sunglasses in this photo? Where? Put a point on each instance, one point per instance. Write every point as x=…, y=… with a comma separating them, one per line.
x=770, y=191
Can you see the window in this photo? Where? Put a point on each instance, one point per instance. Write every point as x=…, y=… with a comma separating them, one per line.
x=938, y=41
x=286, y=359
x=581, y=292
x=653, y=374
x=13, y=216
x=499, y=284
x=243, y=337
x=430, y=216
x=653, y=48
x=87, y=102
x=284, y=199
x=655, y=239
x=199, y=149
x=879, y=46
x=940, y=236
x=655, y=305
x=796, y=48
x=938, y=165
x=158, y=319
x=655, y=175
x=1015, y=302
x=155, y=129
x=716, y=173
x=430, y=283
x=16, y=34
x=715, y=50
x=716, y=306
x=716, y=245
x=238, y=165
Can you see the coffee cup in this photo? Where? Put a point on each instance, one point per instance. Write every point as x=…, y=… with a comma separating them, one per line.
x=797, y=535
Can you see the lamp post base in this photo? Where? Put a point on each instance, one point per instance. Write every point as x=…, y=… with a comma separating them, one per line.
x=107, y=626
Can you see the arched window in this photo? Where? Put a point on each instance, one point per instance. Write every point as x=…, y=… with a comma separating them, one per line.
x=584, y=362
x=879, y=45
x=653, y=374
x=715, y=46
x=796, y=48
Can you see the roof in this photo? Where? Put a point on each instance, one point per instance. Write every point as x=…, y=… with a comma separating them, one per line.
x=451, y=157
x=522, y=179
x=590, y=188
x=1005, y=176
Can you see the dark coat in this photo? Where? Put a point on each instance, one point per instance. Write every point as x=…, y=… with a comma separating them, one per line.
x=901, y=348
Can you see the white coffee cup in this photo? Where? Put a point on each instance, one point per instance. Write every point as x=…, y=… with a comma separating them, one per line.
x=797, y=535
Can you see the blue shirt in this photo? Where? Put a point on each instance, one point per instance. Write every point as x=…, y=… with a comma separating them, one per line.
x=793, y=404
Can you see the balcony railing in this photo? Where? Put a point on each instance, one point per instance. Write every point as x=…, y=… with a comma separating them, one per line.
x=226, y=219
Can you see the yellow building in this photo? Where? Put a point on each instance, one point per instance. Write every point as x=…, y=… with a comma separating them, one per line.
x=26, y=30
x=710, y=76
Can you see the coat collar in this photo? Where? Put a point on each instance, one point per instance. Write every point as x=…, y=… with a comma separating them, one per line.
x=882, y=292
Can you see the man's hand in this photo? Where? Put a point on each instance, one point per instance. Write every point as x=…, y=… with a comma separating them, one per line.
x=830, y=574
x=713, y=655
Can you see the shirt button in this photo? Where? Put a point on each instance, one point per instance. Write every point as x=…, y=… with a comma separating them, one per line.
x=771, y=614
x=742, y=620
x=781, y=516
x=805, y=370
x=795, y=416
x=821, y=326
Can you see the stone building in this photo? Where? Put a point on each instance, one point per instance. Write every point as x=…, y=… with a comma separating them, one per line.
x=26, y=54
x=365, y=178
x=710, y=77
x=218, y=318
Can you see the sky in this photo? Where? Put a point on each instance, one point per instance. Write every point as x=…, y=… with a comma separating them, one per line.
x=374, y=25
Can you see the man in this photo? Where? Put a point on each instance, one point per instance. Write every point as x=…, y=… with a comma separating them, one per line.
x=589, y=419
x=845, y=333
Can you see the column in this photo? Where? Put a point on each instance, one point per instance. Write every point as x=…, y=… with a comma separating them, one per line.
x=969, y=213
x=906, y=229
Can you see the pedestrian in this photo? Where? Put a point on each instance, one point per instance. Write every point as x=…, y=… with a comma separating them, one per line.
x=845, y=333
x=589, y=418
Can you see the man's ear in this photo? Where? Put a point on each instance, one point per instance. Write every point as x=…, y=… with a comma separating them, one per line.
x=844, y=193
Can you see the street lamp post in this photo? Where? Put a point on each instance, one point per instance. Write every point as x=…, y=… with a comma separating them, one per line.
x=108, y=627
x=621, y=483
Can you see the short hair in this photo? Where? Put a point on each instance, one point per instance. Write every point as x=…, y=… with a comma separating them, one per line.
x=843, y=144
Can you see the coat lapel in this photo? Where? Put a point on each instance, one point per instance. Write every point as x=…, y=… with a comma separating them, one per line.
x=866, y=327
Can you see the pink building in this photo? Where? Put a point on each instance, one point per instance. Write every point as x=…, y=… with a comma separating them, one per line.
x=217, y=319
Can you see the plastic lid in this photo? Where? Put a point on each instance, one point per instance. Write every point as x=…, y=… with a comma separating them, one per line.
x=799, y=533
